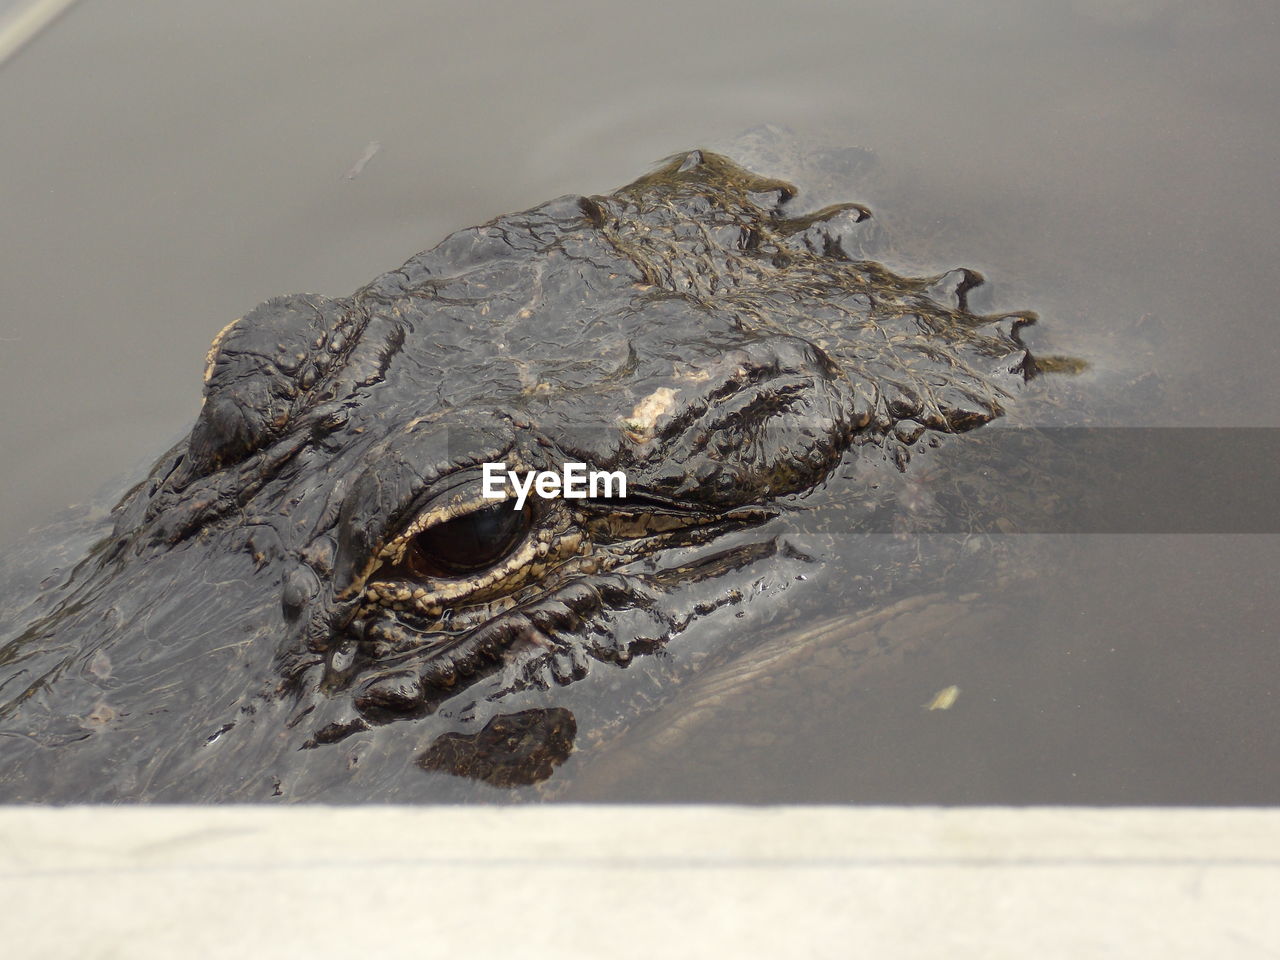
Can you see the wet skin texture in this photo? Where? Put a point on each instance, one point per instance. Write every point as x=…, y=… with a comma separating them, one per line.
x=309, y=599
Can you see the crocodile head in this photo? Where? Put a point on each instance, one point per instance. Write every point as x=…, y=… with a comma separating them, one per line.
x=323, y=556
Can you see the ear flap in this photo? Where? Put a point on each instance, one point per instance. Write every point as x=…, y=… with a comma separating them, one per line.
x=259, y=371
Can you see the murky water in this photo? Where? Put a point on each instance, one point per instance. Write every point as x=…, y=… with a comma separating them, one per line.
x=1111, y=165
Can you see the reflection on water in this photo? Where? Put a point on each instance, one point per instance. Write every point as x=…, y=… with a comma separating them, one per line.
x=1108, y=164
x=1144, y=674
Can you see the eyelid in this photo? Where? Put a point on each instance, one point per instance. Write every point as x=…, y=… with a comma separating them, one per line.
x=391, y=501
x=444, y=591
x=645, y=502
x=468, y=544
x=436, y=513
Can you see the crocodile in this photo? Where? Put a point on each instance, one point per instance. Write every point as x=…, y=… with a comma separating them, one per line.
x=315, y=594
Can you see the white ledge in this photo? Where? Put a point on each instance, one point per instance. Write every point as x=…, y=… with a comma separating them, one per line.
x=624, y=882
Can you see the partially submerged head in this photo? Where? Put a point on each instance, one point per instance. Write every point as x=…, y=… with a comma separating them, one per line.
x=320, y=557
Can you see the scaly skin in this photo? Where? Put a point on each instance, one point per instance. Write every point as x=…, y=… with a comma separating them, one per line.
x=281, y=589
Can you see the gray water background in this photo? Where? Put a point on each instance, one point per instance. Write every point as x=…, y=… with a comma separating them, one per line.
x=1112, y=165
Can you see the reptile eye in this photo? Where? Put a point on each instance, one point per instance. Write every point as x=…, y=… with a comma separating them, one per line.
x=468, y=543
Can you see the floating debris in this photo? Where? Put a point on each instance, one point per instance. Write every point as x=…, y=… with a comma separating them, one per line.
x=369, y=153
x=944, y=699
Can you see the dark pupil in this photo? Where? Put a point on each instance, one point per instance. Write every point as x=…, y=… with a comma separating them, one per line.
x=467, y=543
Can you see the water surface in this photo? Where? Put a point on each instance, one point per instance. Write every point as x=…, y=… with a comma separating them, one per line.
x=168, y=166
